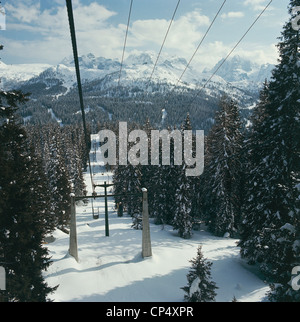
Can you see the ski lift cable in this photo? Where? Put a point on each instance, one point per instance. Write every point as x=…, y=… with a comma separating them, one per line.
x=76, y=61
x=125, y=42
x=230, y=53
x=202, y=40
x=198, y=47
x=163, y=44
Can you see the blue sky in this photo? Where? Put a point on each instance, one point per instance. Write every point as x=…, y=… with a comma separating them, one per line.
x=38, y=31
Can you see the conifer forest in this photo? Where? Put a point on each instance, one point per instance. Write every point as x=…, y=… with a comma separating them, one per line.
x=249, y=189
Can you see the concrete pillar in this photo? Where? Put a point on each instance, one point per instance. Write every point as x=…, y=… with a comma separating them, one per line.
x=2, y=279
x=146, y=242
x=73, y=232
x=106, y=211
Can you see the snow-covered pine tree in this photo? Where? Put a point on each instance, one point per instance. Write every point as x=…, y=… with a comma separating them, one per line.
x=168, y=192
x=59, y=184
x=78, y=179
x=119, y=184
x=71, y=147
x=254, y=149
x=42, y=193
x=163, y=187
x=133, y=179
x=195, y=182
x=206, y=198
x=200, y=287
x=222, y=174
x=187, y=125
x=23, y=209
x=159, y=195
x=169, y=184
x=276, y=243
x=183, y=221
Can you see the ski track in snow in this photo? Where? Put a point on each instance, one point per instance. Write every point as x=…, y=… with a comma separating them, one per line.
x=111, y=269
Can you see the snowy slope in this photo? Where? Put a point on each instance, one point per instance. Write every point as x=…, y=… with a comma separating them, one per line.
x=11, y=74
x=111, y=269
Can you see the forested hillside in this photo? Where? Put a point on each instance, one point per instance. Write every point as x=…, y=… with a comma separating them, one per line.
x=249, y=190
x=127, y=104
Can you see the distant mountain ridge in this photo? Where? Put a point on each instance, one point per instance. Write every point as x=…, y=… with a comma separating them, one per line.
x=136, y=71
x=239, y=69
x=165, y=100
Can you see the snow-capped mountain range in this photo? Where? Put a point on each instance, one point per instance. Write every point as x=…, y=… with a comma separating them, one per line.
x=136, y=71
x=242, y=72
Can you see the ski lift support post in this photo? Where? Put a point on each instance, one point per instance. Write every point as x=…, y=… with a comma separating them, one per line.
x=146, y=240
x=105, y=186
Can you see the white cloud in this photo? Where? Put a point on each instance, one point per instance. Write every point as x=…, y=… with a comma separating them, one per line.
x=185, y=33
x=49, y=36
x=233, y=14
x=25, y=11
x=210, y=54
x=96, y=34
x=260, y=54
x=257, y=5
x=87, y=17
x=51, y=31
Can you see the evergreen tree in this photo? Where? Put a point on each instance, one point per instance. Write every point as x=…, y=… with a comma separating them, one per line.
x=168, y=192
x=69, y=141
x=163, y=187
x=127, y=180
x=23, y=209
x=275, y=240
x=169, y=184
x=182, y=216
x=222, y=174
x=255, y=145
x=200, y=287
x=42, y=193
x=159, y=195
x=74, y=163
x=119, y=184
x=183, y=221
x=59, y=185
x=133, y=179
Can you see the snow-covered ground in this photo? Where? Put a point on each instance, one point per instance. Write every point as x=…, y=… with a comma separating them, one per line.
x=111, y=269
x=20, y=72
